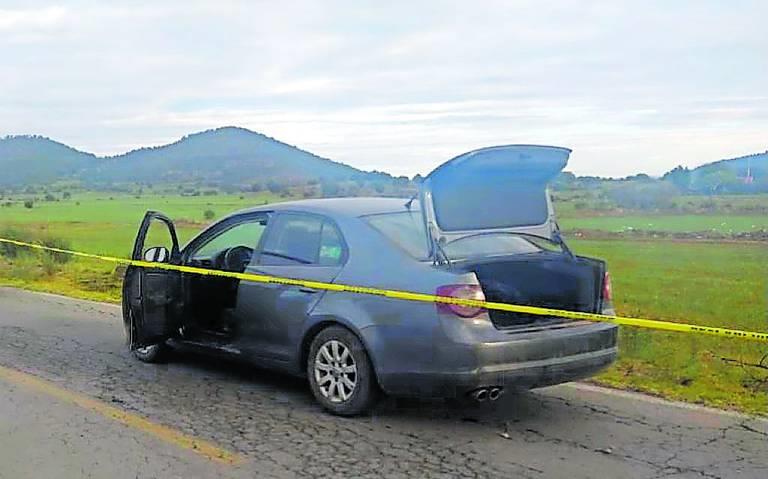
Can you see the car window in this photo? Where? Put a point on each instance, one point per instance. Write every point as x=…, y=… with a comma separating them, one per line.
x=493, y=244
x=302, y=239
x=331, y=246
x=405, y=229
x=158, y=234
x=247, y=233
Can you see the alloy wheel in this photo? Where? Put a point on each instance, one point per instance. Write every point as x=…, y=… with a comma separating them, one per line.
x=335, y=371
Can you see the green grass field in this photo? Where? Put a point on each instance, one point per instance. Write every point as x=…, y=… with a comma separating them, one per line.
x=97, y=207
x=717, y=284
x=722, y=285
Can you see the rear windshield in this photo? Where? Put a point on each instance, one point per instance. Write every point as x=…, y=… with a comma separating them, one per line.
x=405, y=229
x=495, y=244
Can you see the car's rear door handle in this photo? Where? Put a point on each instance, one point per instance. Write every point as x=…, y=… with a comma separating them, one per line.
x=308, y=290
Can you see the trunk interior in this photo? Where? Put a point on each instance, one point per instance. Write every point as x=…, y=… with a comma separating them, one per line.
x=549, y=280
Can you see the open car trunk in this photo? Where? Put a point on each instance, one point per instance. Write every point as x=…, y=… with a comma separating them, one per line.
x=495, y=192
x=547, y=280
x=495, y=189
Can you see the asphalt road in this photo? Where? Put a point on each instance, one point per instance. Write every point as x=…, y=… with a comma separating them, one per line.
x=60, y=356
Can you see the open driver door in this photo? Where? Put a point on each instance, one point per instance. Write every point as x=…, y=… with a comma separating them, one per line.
x=151, y=296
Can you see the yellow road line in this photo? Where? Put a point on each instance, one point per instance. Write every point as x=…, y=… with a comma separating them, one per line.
x=204, y=448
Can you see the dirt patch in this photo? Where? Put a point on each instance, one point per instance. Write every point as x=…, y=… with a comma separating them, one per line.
x=759, y=236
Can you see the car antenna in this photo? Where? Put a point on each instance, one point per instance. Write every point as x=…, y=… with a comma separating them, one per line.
x=410, y=202
x=557, y=236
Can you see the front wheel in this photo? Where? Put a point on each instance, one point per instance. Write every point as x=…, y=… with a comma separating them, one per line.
x=155, y=353
x=340, y=373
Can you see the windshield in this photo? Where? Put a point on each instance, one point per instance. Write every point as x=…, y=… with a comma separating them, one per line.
x=496, y=244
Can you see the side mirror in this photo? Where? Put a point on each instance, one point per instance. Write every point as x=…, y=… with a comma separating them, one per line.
x=158, y=254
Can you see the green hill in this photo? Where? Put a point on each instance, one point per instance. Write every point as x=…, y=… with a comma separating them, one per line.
x=35, y=159
x=745, y=174
x=226, y=155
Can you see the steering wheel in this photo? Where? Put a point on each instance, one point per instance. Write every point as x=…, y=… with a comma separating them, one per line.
x=237, y=258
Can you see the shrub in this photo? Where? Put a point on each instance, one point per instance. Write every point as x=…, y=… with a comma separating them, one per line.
x=7, y=249
x=209, y=214
x=275, y=187
x=29, y=204
x=14, y=251
x=56, y=242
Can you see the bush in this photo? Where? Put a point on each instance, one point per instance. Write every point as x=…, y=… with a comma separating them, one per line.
x=13, y=251
x=275, y=187
x=7, y=249
x=209, y=214
x=56, y=242
x=29, y=204
x=643, y=195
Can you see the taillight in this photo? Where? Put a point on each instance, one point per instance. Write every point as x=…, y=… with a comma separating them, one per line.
x=607, y=289
x=461, y=291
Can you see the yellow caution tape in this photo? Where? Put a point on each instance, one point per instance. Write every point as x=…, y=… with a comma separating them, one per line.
x=411, y=296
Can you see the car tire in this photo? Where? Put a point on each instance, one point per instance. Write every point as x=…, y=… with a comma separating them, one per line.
x=155, y=353
x=340, y=373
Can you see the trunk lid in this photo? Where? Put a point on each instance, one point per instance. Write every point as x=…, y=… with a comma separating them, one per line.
x=506, y=184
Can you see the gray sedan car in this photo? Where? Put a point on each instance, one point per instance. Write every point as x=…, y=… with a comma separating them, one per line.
x=482, y=227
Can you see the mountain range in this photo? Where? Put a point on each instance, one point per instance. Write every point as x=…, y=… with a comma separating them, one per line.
x=227, y=155
x=237, y=156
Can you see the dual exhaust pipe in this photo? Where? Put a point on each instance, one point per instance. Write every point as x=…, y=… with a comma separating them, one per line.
x=486, y=394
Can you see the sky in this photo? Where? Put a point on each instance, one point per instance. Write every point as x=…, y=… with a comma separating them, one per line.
x=396, y=86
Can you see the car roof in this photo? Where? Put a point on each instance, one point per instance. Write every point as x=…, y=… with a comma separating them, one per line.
x=359, y=206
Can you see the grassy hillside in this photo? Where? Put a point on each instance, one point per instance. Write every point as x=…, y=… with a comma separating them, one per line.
x=224, y=156
x=227, y=155
x=33, y=159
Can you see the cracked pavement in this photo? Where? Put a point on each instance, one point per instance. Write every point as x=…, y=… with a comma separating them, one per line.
x=569, y=431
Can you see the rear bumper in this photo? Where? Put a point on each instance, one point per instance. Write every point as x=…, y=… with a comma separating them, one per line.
x=537, y=360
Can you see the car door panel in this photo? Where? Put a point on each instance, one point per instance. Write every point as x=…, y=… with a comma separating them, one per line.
x=272, y=316
x=150, y=294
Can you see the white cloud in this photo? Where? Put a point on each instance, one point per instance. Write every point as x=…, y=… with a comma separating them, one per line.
x=399, y=86
x=31, y=19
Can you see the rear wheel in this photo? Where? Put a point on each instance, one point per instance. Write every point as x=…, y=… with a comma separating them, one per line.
x=340, y=373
